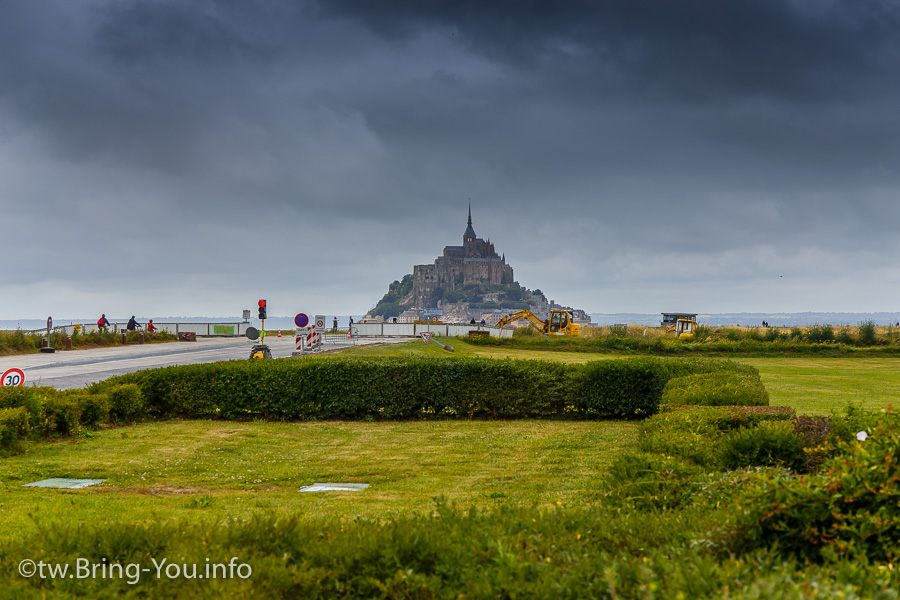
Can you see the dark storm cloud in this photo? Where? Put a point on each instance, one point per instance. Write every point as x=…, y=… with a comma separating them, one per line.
x=579, y=128
x=692, y=49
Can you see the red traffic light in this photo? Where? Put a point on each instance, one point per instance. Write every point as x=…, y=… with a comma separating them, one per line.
x=262, y=303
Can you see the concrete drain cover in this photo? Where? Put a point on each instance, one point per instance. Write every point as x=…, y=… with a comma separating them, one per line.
x=335, y=487
x=67, y=484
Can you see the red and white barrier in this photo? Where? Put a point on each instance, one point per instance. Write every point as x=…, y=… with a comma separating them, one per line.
x=307, y=340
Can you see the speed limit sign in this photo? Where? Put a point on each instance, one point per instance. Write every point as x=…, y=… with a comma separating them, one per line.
x=12, y=378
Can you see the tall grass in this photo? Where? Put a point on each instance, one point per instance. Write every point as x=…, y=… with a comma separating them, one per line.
x=820, y=340
x=21, y=342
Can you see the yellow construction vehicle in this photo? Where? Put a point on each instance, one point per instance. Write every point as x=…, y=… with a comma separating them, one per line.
x=683, y=328
x=559, y=323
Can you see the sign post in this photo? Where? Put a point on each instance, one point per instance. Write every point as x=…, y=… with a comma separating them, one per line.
x=309, y=335
x=46, y=347
x=427, y=337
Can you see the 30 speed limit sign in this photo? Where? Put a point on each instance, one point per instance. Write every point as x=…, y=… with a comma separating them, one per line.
x=12, y=377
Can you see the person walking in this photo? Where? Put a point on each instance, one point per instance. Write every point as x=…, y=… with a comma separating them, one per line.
x=334, y=326
x=103, y=322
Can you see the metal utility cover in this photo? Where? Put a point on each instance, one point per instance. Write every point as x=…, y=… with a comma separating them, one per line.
x=67, y=484
x=335, y=487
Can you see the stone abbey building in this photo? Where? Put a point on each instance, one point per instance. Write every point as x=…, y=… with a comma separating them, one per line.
x=475, y=261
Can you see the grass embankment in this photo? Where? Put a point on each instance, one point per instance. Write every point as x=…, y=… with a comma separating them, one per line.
x=20, y=342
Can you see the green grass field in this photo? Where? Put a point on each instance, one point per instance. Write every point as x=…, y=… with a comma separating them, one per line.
x=203, y=469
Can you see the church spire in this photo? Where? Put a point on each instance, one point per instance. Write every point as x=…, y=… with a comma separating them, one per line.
x=469, y=235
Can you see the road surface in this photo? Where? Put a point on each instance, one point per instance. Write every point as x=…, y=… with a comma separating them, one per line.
x=78, y=368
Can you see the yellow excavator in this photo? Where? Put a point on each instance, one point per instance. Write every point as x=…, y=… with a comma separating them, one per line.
x=560, y=322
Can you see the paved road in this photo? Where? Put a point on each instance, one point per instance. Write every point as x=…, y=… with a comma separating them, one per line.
x=77, y=368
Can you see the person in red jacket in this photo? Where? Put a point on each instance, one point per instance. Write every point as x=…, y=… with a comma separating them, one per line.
x=150, y=326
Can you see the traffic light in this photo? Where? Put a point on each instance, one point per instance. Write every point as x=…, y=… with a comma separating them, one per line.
x=262, y=309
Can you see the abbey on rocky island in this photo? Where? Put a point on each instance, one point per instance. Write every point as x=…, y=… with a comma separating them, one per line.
x=475, y=262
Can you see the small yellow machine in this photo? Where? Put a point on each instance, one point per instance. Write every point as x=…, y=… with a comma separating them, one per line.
x=683, y=328
x=559, y=323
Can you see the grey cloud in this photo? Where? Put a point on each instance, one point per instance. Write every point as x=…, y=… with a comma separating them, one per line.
x=181, y=138
x=693, y=50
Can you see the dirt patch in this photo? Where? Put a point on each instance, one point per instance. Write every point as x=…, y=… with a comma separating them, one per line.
x=152, y=490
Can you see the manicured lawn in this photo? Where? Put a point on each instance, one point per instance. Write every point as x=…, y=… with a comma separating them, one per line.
x=214, y=470
x=820, y=385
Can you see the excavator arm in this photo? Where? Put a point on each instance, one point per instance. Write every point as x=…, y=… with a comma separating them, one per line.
x=523, y=314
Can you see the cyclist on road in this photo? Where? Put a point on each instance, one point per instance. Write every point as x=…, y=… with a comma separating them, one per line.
x=103, y=322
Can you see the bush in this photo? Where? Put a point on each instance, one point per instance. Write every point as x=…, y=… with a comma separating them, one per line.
x=646, y=480
x=820, y=334
x=94, y=409
x=696, y=434
x=126, y=402
x=716, y=389
x=62, y=415
x=14, y=427
x=843, y=337
x=30, y=398
x=853, y=508
x=867, y=333
x=767, y=445
x=619, y=389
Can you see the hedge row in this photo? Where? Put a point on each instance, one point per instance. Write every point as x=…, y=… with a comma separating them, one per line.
x=44, y=412
x=716, y=389
x=413, y=388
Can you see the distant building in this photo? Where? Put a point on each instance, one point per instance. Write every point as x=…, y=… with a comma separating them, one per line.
x=669, y=319
x=475, y=261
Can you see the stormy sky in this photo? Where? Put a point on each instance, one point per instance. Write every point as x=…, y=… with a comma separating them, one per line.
x=162, y=157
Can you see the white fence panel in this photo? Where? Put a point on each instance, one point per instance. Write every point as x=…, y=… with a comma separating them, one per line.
x=196, y=328
x=399, y=330
x=367, y=329
x=440, y=330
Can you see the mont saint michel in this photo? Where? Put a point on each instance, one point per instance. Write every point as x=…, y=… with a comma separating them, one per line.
x=469, y=281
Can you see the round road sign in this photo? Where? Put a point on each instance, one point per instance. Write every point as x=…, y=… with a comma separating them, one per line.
x=320, y=323
x=13, y=377
x=301, y=320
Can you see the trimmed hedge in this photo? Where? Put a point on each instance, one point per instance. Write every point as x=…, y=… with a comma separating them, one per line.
x=14, y=426
x=704, y=436
x=716, y=389
x=44, y=412
x=412, y=388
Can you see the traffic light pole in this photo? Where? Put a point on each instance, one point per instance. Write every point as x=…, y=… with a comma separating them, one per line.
x=261, y=350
